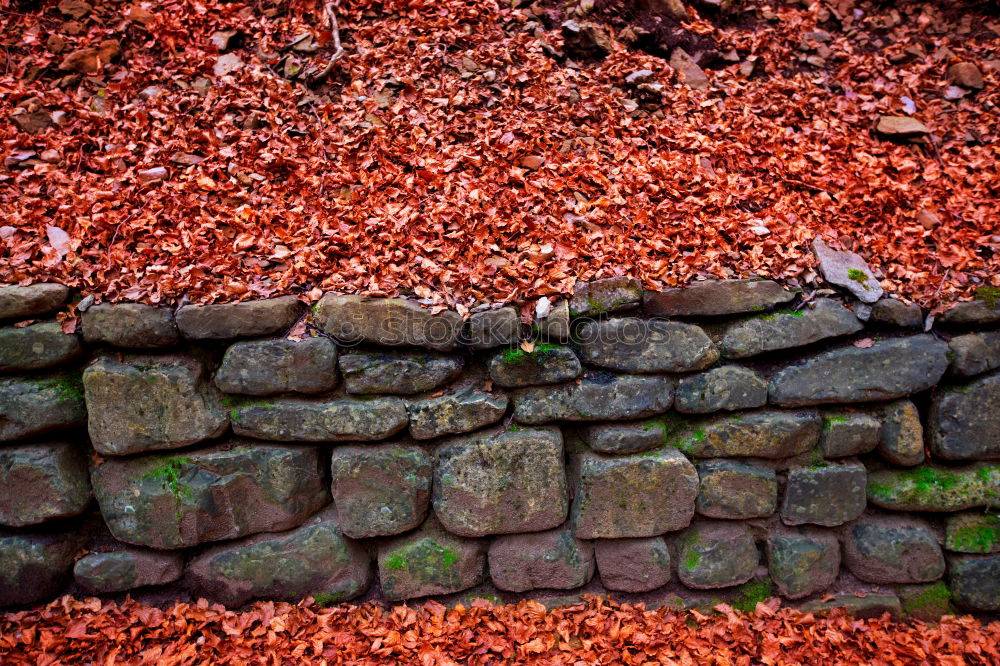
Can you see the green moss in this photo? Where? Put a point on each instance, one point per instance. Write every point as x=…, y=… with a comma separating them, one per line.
x=692, y=559
x=68, y=388
x=429, y=557
x=698, y=435
x=976, y=538
x=396, y=561
x=858, y=276
x=168, y=473
x=935, y=597
x=752, y=593
x=830, y=420
x=989, y=295
x=324, y=599
x=816, y=459
x=772, y=315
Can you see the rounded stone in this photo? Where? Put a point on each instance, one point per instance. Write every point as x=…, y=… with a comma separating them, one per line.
x=881, y=549
x=975, y=353
x=129, y=325
x=735, y=490
x=763, y=434
x=599, y=396
x=35, y=566
x=544, y=364
x=430, y=561
x=716, y=554
x=615, y=438
x=17, y=302
x=268, y=367
x=972, y=532
x=599, y=297
x=127, y=569
x=554, y=559
x=975, y=582
x=901, y=439
x=824, y=494
x=932, y=488
x=41, y=482
x=848, y=433
x=397, y=373
x=320, y=419
x=633, y=565
x=36, y=347
x=454, y=413
x=716, y=297
x=802, y=561
x=387, y=321
x=630, y=344
x=762, y=333
x=31, y=406
x=249, y=319
x=492, y=328
x=964, y=421
x=729, y=388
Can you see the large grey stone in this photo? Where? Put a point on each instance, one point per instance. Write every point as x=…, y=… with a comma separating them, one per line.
x=492, y=328
x=313, y=559
x=238, y=320
x=17, y=302
x=268, y=367
x=381, y=489
x=430, y=561
x=129, y=325
x=931, y=488
x=886, y=370
x=847, y=269
x=964, y=421
x=728, y=388
x=41, y=482
x=881, y=549
x=35, y=566
x=554, y=559
x=598, y=396
x=397, y=373
x=453, y=413
x=764, y=434
x=615, y=438
x=736, y=490
x=320, y=420
x=802, y=561
x=896, y=313
x=901, y=439
x=716, y=554
x=630, y=344
x=545, y=364
x=984, y=310
x=221, y=492
x=501, y=482
x=972, y=532
x=32, y=406
x=606, y=295
x=36, y=347
x=848, y=433
x=387, y=321
x=716, y=297
x=975, y=582
x=640, y=495
x=975, y=353
x=633, y=565
x=788, y=329
x=126, y=569
x=145, y=403
x=824, y=494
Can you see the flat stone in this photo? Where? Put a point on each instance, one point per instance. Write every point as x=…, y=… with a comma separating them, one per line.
x=900, y=127
x=430, y=561
x=453, y=413
x=38, y=405
x=501, y=482
x=802, y=561
x=35, y=566
x=848, y=433
x=545, y=364
x=827, y=494
x=624, y=496
x=598, y=396
x=927, y=602
x=785, y=330
x=220, y=492
x=387, y=321
x=41, y=482
x=320, y=420
x=975, y=582
x=964, y=421
x=615, y=438
x=631, y=344
x=599, y=297
x=715, y=297
x=764, y=434
x=554, y=559
x=847, y=269
x=314, y=559
x=972, y=532
x=268, y=367
x=896, y=313
x=975, y=353
x=901, y=439
x=728, y=388
x=688, y=70
x=735, y=490
x=887, y=370
x=380, y=490
x=492, y=328
x=129, y=325
x=554, y=327
x=716, y=554
x=930, y=488
x=633, y=565
x=862, y=607
x=127, y=569
x=966, y=74
x=238, y=320
x=397, y=373
x=36, y=347
x=897, y=549
x=972, y=313
x=18, y=302
x=145, y=403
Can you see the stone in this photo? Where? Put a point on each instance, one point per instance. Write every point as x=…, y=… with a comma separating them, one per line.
x=454, y=413
x=638, y=345
x=640, y=495
x=268, y=367
x=900, y=127
x=129, y=325
x=763, y=434
x=586, y=40
x=127, y=569
x=887, y=370
x=615, y=438
x=314, y=559
x=36, y=347
x=716, y=554
x=220, y=492
x=975, y=353
x=145, y=403
x=31, y=406
x=824, y=494
x=554, y=326
x=802, y=561
x=848, y=433
x=673, y=8
x=227, y=64
x=633, y=565
x=981, y=311
x=859, y=606
x=597, y=297
x=380, y=490
x=501, y=482
x=31, y=122
x=74, y=8
x=35, y=566
x=847, y=269
x=972, y=532
x=41, y=482
x=896, y=313
x=430, y=561
x=788, y=329
x=931, y=488
x=688, y=70
x=927, y=602
x=901, y=439
x=735, y=490
x=238, y=320
x=598, y=396
x=492, y=328
x=397, y=373
x=387, y=321
x=966, y=74
x=715, y=297
x=554, y=559
x=964, y=421
x=974, y=582
x=727, y=388
x=320, y=419
x=544, y=364
x=17, y=302
x=883, y=549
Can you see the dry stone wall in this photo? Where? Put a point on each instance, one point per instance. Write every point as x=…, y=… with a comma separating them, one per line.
x=725, y=441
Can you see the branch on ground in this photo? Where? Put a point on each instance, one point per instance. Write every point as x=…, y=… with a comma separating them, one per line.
x=338, y=50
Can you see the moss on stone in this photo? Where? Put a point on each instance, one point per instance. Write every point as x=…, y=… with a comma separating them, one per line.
x=324, y=598
x=68, y=388
x=168, y=472
x=934, y=599
x=858, y=276
x=975, y=539
x=989, y=295
x=752, y=593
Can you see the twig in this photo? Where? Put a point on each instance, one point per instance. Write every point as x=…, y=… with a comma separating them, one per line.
x=338, y=50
